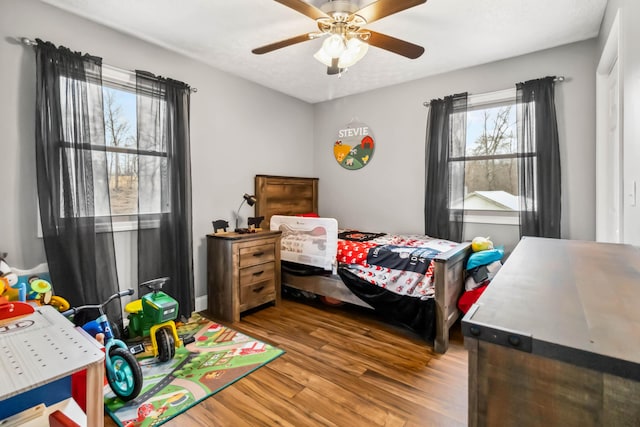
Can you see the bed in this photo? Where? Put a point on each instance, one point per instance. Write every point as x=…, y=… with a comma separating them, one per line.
x=282, y=199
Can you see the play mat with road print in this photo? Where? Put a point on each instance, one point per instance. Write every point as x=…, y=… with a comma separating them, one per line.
x=218, y=357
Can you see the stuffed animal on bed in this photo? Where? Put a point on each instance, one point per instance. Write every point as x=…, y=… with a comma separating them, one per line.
x=481, y=244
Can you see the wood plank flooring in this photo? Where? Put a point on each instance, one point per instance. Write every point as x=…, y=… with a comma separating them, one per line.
x=343, y=367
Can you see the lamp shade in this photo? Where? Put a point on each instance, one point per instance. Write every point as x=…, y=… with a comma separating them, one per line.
x=250, y=199
x=355, y=51
x=334, y=46
x=322, y=56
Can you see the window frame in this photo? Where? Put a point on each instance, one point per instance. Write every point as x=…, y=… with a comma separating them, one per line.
x=491, y=216
x=123, y=80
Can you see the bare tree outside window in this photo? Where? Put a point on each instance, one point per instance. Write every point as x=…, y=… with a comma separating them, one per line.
x=491, y=170
x=497, y=137
x=120, y=130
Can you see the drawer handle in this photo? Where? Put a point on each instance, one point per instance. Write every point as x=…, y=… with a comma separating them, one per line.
x=257, y=273
x=258, y=254
x=256, y=290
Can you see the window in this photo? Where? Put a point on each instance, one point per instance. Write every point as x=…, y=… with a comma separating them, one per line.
x=125, y=160
x=490, y=160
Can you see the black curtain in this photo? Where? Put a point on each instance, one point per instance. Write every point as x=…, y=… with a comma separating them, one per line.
x=71, y=167
x=539, y=159
x=446, y=140
x=164, y=186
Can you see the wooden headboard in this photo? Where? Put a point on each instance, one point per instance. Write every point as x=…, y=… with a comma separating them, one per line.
x=285, y=195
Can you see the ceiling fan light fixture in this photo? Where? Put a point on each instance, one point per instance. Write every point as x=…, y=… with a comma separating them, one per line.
x=322, y=56
x=334, y=46
x=355, y=51
x=342, y=22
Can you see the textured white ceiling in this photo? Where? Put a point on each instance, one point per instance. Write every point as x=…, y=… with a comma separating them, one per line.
x=455, y=33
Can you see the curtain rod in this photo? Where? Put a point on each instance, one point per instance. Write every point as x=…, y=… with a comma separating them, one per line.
x=28, y=42
x=556, y=79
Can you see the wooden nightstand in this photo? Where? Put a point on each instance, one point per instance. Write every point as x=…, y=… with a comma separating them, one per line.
x=243, y=272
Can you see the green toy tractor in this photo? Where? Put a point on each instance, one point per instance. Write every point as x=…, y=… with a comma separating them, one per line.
x=153, y=316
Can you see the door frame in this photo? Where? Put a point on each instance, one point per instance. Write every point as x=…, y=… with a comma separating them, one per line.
x=605, y=180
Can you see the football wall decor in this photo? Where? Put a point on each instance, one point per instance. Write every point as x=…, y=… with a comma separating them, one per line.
x=354, y=146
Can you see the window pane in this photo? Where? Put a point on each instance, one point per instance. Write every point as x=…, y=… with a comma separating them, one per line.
x=152, y=121
x=120, y=132
x=491, y=131
x=119, y=117
x=457, y=127
x=123, y=185
x=78, y=126
x=456, y=175
x=491, y=184
x=154, y=196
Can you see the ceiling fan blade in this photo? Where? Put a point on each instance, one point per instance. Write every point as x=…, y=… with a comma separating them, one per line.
x=392, y=44
x=382, y=8
x=282, y=43
x=304, y=8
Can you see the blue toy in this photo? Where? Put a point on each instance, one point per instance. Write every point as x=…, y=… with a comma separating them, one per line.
x=123, y=371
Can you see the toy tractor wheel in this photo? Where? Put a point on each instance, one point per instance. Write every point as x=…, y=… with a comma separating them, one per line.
x=166, y=345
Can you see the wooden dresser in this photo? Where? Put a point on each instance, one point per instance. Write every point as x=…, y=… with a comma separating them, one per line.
x=555, y=338
x=243, y=272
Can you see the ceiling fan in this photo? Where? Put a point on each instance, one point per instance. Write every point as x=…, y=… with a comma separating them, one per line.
x=342, y=23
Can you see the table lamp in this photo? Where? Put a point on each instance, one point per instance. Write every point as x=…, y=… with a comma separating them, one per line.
x=250, y=200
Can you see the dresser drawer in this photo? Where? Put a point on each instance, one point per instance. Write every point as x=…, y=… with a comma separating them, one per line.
x=257, y=273
x=257, y=293
x=256, y=254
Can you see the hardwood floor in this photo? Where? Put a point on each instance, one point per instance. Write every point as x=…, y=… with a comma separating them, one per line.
x=342, y=367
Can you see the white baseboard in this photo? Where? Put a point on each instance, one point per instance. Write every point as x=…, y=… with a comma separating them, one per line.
x=201, y=303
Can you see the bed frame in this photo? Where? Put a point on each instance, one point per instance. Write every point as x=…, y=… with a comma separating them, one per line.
x=280, y=195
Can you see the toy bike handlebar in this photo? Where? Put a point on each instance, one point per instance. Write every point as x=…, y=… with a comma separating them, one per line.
x=74, y=310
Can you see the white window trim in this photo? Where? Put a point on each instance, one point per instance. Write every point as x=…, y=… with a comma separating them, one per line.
x=128, y=225
x=116, y=225
x=118, y=76
x=491, y=217
x=484, y=99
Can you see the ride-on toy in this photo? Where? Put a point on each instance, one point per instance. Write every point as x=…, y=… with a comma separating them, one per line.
x=153, y=316
x=123, y=371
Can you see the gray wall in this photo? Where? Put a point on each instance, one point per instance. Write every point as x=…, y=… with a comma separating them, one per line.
x=236, y=133
x=236, y=129
x=387, y=194
x=630, y=66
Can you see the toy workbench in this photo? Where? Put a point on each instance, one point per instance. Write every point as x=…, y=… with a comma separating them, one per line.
x=40, y=350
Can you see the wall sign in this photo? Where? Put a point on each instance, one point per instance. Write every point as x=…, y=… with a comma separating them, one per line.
x=354, y=146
